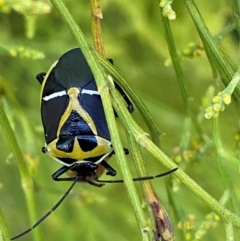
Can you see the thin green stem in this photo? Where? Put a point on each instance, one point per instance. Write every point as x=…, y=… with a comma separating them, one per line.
x=225, y=32
x=236, y=14
x=4, y=234
x=227, y=182
x=96, y=27
x=229, y=231
x=223, y=154
x=26, y=179
x=176, y=62
x=216, y=57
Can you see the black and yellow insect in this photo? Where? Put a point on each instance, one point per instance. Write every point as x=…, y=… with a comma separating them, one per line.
x=75, y=127
x=73, y=118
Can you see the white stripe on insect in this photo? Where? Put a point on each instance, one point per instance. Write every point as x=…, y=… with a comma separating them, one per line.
x=90, y=92
x=54, y=95
x=63, y=92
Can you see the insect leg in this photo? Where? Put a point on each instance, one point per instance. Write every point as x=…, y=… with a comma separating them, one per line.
x=40, y=77
x=84, y=169
x=126, y=152
x=110, y=170
x=125, y=97
x=118, y=87
x=61, y=171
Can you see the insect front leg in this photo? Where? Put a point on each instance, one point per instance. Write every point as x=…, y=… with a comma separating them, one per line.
x=61, y=171
x=84, y=170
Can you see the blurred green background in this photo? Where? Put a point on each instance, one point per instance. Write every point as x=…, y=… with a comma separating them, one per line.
x=33, y=36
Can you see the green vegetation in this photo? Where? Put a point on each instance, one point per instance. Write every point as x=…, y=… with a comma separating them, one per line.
x=178, y=60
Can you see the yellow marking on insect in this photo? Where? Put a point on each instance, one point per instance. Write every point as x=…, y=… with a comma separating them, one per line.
x=103, y=147
x=75, y=105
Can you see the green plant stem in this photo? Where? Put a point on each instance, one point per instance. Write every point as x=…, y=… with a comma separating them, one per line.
x=225, y=32
x=176, y=63
x=143, y=140
x=215, y=55
x=222, y=153
x=96, y=27
x=236, y=14
x=100, y=78
x=26, y=180
x=4, y=234
x=229, y=231
x=223, y=169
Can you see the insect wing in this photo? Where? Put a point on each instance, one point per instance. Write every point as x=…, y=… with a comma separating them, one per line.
x=53, y=105
x=90, y=100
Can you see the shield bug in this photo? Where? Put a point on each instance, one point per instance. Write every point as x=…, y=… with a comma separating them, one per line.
x=75, y=128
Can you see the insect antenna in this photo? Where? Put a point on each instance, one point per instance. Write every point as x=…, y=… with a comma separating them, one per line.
x=141, y=178
x=49, y=212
